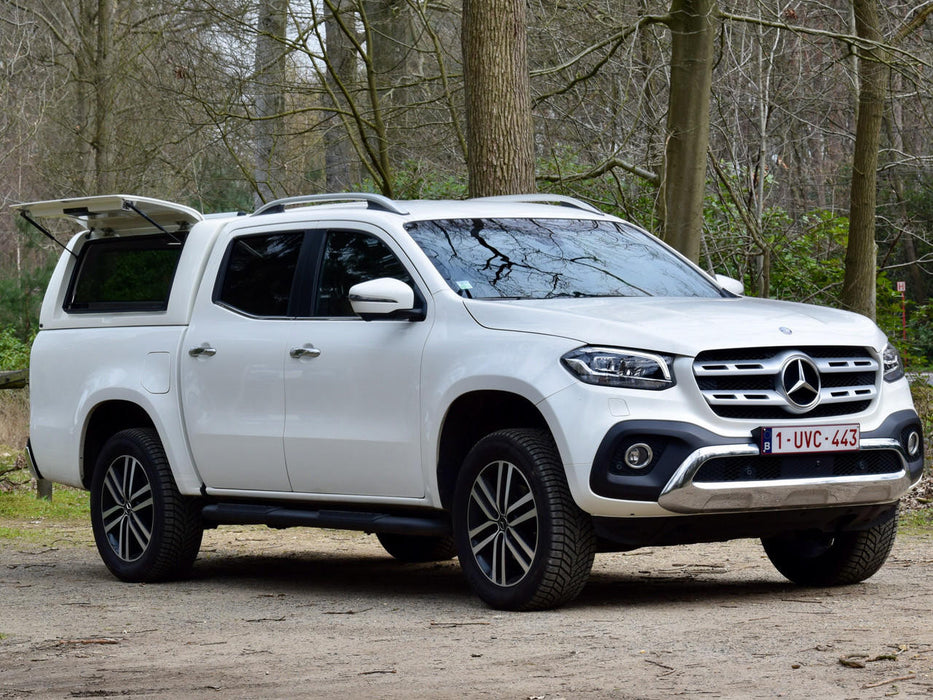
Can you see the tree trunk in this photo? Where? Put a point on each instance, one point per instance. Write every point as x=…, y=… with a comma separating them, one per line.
x=858, y=290
x=269, y=85
x=85, y=55
x=500, y=136
x=398, y=63
x=103, y=98
x=693, y=32
x=339, y=154
x=894, y=129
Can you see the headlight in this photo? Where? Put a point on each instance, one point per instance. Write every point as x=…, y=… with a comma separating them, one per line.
x=623, y=368
x=893, y=369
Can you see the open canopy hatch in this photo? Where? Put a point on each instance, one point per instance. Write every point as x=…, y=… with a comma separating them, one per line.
x=112, y=214
x=115, y=213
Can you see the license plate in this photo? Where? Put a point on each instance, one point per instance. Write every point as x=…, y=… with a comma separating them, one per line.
x=810, y=438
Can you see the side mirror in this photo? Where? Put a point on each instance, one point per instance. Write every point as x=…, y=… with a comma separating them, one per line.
x=385, y=297
x=731, y=285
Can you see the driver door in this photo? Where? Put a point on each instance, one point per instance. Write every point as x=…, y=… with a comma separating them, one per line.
x=352, y=387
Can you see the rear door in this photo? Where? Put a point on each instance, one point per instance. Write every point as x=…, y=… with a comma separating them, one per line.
x=233, y=360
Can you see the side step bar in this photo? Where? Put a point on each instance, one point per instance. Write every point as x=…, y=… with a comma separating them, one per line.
x=281, y=517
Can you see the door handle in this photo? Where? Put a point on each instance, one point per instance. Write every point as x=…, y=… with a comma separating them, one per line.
x=307, y=350
x=204, y=350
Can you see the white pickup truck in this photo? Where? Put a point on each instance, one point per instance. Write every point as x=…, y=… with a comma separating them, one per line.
x=519, y=381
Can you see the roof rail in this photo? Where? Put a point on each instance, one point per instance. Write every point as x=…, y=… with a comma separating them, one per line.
x=373, y=201
x=560, y=199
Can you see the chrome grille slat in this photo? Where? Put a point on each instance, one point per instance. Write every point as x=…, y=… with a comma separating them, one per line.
x=848, y=376
x=853, y=364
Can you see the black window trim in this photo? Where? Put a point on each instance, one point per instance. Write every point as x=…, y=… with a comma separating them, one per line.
x=420, y=304
x=298, y=283
x=305, y=288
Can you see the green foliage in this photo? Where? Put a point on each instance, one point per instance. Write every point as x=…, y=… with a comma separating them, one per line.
x=24, y=275
x=627, y=197
x=920, y=332
x=919, y=224
x=888, y=314
x=14, y=352
x=810, y=266
x=413, y=182
x=922, y=394
x=20, y=298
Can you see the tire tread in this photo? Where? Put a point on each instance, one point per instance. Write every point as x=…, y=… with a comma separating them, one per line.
x=852, y=557
x=413, y=549
x=178, y=540
x=572, y=547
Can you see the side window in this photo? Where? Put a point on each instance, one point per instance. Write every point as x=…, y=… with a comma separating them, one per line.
x=259, y=273
x=350, y=258
x=125, y=274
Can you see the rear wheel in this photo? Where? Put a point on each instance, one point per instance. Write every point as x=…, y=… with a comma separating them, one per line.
x=418, y=548
x=816, y=559
x=144, y=528
x=523, y=542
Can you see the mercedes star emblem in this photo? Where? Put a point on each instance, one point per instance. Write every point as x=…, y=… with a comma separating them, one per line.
x=800, y=383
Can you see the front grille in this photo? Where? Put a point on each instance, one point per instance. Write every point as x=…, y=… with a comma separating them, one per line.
x=773, y=467
x=775, y=383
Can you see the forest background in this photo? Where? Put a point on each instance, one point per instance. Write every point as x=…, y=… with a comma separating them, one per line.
x=739, y=122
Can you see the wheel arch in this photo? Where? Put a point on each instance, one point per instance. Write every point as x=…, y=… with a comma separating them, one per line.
x=106, y=419
x=472, y=416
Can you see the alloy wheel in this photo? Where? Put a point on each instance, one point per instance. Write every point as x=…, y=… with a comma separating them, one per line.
x=502, y=519
x=126, y=508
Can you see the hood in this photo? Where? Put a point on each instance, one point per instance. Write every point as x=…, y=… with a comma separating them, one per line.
x=680, y=326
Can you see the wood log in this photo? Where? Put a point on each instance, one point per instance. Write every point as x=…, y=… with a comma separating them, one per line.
x=15, y=379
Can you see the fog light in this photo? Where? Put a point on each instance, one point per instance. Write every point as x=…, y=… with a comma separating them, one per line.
x=913, y=443
x=638, y=456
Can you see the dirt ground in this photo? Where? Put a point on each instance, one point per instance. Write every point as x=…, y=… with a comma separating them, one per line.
x=305, y=613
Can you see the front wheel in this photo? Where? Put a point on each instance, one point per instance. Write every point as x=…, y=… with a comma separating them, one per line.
x=522, y=541
x=812, y=559
x=144, y=528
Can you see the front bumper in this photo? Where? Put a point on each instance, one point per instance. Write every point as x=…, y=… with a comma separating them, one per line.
x=697, y=471
x=683, y=494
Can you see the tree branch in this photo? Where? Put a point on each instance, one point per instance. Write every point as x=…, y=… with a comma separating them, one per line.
x=850, y=39
x=606, y=167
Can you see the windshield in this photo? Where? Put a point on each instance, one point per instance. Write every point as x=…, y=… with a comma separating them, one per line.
x=545, y=258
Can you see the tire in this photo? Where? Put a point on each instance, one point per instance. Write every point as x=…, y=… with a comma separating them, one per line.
x=832, y=560
x=523, y=542
x=417, y=548
x=145, y=530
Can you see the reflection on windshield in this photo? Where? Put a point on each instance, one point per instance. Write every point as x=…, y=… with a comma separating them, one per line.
x=546, y=258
